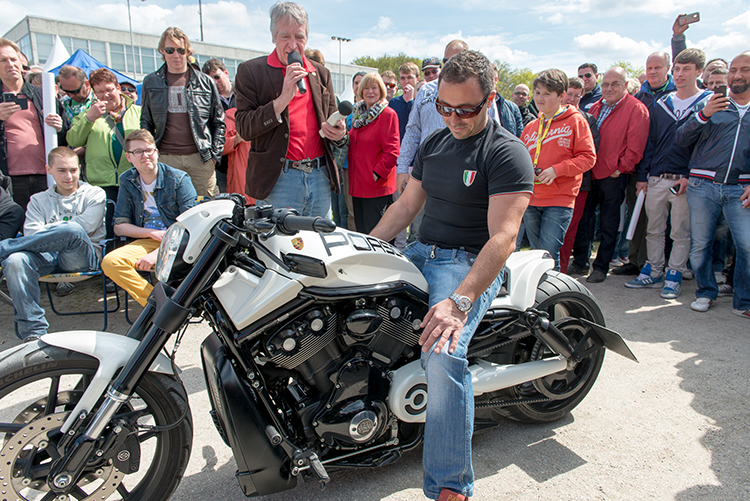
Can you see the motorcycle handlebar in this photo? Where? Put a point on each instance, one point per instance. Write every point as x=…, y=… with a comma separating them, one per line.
x=290, y=223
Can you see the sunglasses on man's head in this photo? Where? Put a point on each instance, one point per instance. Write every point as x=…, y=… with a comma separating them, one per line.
x=170, y=50
x=463, y=112
x=390, y=85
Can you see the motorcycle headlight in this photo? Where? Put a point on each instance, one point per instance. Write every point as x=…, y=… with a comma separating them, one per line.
x=171, y=247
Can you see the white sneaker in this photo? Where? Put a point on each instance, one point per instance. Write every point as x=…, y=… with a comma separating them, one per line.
x=701, y=304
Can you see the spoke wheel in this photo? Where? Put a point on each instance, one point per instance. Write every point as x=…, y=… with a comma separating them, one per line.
x=40, y=387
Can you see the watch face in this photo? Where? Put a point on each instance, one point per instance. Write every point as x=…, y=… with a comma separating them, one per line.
x=463, y=303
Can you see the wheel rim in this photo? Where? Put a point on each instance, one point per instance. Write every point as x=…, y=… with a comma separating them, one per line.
x=55, y=393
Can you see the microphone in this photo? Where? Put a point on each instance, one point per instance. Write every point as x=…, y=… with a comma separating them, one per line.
x=294, y=57
x=345, y=109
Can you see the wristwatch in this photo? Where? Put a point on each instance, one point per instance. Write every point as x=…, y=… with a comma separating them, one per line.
x=463, y=303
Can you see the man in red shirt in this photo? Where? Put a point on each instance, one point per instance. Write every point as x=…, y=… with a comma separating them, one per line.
x=289, y=164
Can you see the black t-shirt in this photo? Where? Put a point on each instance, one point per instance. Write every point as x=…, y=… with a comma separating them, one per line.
x=460, y=175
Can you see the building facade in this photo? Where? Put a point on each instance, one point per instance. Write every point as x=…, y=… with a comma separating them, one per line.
x=35, y=36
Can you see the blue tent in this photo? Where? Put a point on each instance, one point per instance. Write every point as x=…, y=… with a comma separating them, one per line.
x=88, y=64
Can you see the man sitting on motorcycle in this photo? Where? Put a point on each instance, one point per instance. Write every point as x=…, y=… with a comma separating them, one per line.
x=151, y=197
x=474, y=180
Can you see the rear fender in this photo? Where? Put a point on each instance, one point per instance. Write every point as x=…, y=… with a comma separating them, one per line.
x=525, y=270
x=112, y=350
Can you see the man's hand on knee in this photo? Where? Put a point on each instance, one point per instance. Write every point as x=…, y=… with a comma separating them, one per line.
x=442, y=323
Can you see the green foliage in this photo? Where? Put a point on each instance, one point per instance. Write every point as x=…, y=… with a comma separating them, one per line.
x=629, y=67
x=386, y=62
x=509, y=77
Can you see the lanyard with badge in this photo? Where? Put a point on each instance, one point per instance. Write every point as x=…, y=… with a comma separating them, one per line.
x=543, y=131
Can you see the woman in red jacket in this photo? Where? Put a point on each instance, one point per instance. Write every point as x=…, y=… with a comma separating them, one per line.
x=373, y=150
x=562, y=149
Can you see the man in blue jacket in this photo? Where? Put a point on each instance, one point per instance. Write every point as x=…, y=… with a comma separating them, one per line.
x=720, y=182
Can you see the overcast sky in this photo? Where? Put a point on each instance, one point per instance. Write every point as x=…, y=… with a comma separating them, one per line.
x=536, y=35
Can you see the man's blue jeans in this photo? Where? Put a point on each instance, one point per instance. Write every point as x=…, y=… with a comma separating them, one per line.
x=450, y=406
x=309, y=193
x=707, y=200
x=546, y=228
x=63, y=248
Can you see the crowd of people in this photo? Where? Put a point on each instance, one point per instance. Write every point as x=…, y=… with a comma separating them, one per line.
x=432, y=159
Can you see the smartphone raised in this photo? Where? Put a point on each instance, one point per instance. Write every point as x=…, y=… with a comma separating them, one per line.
x=721, y=90
x=9, y=97
x=689, y=18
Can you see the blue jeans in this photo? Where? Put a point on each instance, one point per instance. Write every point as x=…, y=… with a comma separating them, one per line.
x=309, y=193
x=449, y=420
x=64, y=248
x=546, y=228
x=707, y=200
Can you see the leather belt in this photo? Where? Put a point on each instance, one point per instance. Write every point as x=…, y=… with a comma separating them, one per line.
x=307, y=165
x=671, y=177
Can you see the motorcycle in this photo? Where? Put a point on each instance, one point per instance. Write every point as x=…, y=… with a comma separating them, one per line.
x=312, y=366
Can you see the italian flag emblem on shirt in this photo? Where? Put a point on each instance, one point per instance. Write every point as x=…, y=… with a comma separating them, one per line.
x=469, y=176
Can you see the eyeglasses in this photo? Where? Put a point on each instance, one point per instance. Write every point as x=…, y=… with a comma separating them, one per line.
x=430, y=71
x=170, y=50
x=524, y=94
x=390, y=85
x=140, y=153
x=615, y=85
x=463, y=112
x=586, y=75
x=73, y=91
x=216, y=76
x=25, y=67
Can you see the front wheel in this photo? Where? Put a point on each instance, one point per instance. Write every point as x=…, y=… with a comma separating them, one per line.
x=40, y=385
x=550, y=398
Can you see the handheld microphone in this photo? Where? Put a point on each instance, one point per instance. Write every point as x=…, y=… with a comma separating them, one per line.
x=345, y=109
x=294, y=57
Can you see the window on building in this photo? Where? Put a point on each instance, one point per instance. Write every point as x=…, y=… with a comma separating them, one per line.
x=98, y=50
x=129, y=59
x=25, y=45
x=43, y=46
x=78, y=43
x=150, y=60
x=117, y=55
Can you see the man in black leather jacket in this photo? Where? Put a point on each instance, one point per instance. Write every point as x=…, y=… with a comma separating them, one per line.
x=182, y=109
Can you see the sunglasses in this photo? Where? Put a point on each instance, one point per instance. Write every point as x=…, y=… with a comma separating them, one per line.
x=390, y=85
x=586, y=75
x=432, y=71
x=464, y=112
x=170, y=50
x=73, y=91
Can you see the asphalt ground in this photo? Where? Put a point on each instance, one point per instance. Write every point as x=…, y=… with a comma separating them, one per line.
x=675, y=426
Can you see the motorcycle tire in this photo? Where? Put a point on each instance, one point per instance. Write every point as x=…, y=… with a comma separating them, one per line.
x=42, y=384
x=565, y=300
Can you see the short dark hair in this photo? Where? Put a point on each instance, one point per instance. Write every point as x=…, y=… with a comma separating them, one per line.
x=61, y=152
x=102, y=75
x=469, y=64
x=139, y=135
x=575, y=83
x=358, y=74
x=694, y=56
x=68, y=71
x=212, y=65
x=718, y=59
x=553, y=80
x=589, y=65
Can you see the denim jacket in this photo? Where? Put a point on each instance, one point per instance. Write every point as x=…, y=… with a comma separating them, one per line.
x=174, y=194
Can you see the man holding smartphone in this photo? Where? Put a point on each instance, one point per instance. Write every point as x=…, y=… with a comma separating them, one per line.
x=662, y=174
x=720, y=182
x=22, y=153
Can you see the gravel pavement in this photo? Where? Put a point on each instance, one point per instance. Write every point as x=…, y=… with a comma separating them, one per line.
x=676, y=426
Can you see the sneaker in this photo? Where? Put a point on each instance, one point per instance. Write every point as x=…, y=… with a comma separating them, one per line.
x=644, y=280
x=725, y=290
x=575, y=270
x=701, y=304
x=449, y=495
x=626, y=269
x=672, y=285
x=742, y=313
x=596, y=277
x=63, y=289
x=688, y=275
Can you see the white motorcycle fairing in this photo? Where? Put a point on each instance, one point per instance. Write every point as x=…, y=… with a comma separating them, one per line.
x=112, y=350
x=525, y=271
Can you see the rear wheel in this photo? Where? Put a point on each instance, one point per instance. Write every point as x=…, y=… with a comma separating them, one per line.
x=40, y=385
x=552, y=397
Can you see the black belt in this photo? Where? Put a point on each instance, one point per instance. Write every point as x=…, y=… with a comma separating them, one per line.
x=671, y=177
x=306, y=165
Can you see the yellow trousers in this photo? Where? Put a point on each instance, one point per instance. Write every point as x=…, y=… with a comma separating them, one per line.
x=119, y=265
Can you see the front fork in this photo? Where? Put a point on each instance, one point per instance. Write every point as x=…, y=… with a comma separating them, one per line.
x=166, y=317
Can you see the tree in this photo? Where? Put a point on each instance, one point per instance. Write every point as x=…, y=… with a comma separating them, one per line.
x=509, y=77
x=629, y=67
x=386, y=62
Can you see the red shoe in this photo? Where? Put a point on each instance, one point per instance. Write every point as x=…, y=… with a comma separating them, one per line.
x=449, y=495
